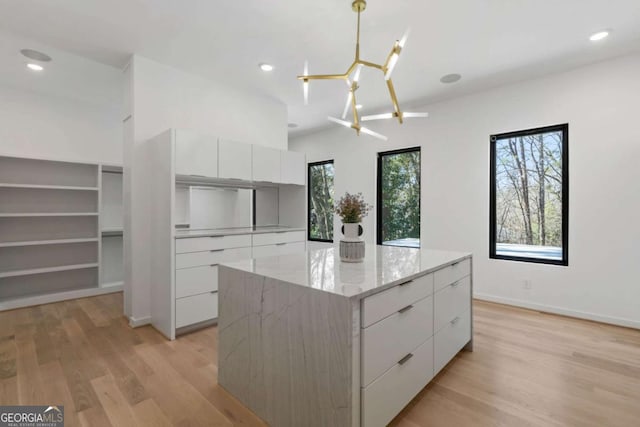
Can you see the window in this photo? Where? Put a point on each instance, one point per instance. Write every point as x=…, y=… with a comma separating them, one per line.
x=320, y=182
x=529, y=186
x=398, y=205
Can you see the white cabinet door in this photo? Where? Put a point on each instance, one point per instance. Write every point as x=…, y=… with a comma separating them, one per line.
x=266, y=164
x=196, y=154
x=234, y=160
x=292, y=167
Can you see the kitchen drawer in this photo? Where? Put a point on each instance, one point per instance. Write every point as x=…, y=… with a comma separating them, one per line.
x=196, y=280
x=450, y=340
x=383, y=399
x=196, y=308
x=199, y=244
x=447, y=275
x=389, y=340
x=278, y=249
x=216, y=256
x=263, y=239
x=451, y=301
x=378, y=306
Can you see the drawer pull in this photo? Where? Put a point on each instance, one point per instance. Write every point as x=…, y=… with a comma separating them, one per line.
x=213, y=265
x=404, y=310
x=455, y=284
x=405, y=359
x=216, y=250
x=213, y=292
x=456, y=320
x=405, y=283
x=215, y=237
x=280, y=232
x=455, y=263
x=281, y=244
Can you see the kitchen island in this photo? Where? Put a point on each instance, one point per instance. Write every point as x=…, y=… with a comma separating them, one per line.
x=306, y=340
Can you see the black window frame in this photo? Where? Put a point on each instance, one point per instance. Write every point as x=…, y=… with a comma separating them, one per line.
x=381, y=154
x=564, y=128
x=309, y=166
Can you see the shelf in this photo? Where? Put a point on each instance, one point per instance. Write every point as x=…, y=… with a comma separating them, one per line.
x=108, y=232
x=48, y=187
x=48, y=214
x=111, y=284
x=46, y=242
x=47, y=270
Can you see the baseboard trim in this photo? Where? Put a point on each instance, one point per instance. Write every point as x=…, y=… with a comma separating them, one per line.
x=135, y=323
x=628, y=323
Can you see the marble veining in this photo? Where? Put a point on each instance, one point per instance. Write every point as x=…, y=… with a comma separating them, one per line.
x=321, y=269
x=188, y=233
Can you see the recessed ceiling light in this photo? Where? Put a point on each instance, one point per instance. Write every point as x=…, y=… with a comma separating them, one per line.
x=450, y=78
x=266, y=67
x=359, y=106
x=35, y=67
x=292, y=125
x=35, y=55
x=599, y=35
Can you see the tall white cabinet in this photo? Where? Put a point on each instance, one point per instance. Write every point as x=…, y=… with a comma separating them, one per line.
x=216, y=178
x=51, y=242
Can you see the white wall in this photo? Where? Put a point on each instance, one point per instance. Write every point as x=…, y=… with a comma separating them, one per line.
x=600, y=103
x=42, y=125
x=162, y=98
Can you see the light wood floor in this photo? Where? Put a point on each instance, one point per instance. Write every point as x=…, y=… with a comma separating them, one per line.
x=527, y=369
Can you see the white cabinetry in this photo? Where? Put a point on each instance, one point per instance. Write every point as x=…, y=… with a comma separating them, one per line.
x=409, y=333
x=196, y=279
x=292, y=168
x=266, y=164
x=196, y=154
x=234, y=160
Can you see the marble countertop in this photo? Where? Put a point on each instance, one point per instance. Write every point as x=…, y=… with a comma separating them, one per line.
x=187, y=233
x=321, y=268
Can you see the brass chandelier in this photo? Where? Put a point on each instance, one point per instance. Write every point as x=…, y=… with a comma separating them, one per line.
x=359, y=6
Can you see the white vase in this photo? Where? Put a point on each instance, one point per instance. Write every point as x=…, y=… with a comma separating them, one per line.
x=351, y=246
x=351, y=232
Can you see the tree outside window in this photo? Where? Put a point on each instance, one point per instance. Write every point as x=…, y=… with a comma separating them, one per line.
x=399, y=198
x=320, y=182
x=529, y=186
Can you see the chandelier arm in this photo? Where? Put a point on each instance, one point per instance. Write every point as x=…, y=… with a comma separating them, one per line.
x=324, y=77
x=394, y=101
x=370, y=64
x=356, y=119
x=394, y=50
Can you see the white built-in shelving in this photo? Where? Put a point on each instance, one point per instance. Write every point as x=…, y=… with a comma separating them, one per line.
x=51, y=217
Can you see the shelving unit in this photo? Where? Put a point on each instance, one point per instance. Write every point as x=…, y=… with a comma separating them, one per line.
x=51, y=247
x=111, y=226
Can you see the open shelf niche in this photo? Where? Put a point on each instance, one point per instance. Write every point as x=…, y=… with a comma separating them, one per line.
x=51, y=247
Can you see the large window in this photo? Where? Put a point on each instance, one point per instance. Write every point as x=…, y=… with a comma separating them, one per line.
x=398, y=205
x=320, y=184
x=529, y=195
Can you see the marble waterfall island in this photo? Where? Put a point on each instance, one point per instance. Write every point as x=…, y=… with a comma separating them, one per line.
x=307, y=340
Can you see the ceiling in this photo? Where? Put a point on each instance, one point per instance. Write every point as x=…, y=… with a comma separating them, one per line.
x=489, y=42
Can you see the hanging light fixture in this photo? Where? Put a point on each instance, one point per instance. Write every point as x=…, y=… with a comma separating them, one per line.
x=387, y=68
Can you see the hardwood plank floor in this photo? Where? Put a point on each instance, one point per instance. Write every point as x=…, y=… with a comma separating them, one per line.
x=528, y=369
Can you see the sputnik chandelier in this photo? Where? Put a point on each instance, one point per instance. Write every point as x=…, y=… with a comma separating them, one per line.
x=359, y=6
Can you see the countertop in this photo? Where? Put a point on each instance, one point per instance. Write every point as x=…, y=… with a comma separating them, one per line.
x=321, y=268
x=187, y=233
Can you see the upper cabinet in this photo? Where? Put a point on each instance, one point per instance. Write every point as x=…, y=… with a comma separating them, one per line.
x=196, y=154
x=234, y=160
x=292, y=167
x=266, y=164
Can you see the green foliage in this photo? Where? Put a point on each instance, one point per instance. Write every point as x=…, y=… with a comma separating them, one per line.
x=401, y=196
x=352, y=208
x=321, y=201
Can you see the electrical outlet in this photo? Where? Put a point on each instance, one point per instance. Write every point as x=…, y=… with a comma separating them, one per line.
x=526, y=284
